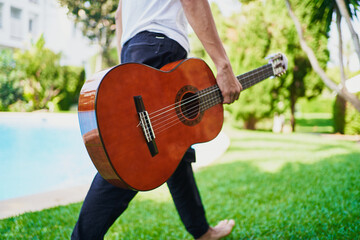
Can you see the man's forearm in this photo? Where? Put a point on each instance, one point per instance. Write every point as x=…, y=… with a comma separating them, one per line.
x=200, y=18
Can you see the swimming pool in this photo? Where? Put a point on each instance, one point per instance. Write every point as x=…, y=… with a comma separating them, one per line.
x=40, y=152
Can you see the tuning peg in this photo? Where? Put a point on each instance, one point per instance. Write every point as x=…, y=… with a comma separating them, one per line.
x=271, y=56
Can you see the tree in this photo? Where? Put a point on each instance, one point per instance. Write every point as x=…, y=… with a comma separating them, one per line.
x=96, y=19
x=326, y=9
x=301, y=81
x=260, y=29
x=315, y=64
x=10, y=86
x=41, y=73
x=345, y=8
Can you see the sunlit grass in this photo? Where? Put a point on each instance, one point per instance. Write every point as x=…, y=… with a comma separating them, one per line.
x=272, y=151
x=275, y=186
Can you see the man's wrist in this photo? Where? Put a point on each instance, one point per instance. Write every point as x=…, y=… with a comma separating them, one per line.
x=223, y=65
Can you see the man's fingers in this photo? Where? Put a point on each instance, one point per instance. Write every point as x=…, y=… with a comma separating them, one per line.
x=227, y=100
x=230, y=87
x=231, y=97
x=237, y=96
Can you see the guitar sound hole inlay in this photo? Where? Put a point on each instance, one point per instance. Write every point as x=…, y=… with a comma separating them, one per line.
x=187, y=106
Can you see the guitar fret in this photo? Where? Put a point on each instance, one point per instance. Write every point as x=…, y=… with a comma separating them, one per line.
x=256, y=75
x=212, y=96
x=209, y=97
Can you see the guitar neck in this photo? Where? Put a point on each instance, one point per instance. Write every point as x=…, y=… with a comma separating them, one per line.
x=211, y=96
x=255, y=76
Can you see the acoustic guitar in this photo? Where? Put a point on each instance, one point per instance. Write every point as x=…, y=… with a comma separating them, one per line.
x=137, y=121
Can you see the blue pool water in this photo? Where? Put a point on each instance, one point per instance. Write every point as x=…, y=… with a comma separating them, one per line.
x=41, y=152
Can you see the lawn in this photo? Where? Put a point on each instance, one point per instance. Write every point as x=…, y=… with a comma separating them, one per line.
x=315, y=123
x=275, y=186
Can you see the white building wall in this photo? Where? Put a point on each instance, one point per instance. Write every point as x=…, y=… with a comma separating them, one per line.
x=23, y=21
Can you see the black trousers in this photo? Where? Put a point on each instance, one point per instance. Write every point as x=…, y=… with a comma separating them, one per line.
x=104, y=202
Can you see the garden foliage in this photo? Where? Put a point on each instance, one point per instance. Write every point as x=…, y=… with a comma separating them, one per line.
x=33, y=79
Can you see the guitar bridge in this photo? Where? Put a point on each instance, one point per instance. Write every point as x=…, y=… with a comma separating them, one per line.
x=146, y=126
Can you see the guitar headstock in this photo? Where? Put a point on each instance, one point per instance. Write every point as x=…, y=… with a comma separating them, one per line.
x=279, y=63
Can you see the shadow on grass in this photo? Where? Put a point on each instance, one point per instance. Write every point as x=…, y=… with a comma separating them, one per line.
x=318, y=125
x=310, y=122
x=300, y=201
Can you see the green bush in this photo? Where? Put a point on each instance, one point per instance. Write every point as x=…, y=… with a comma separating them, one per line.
x=11, y=89
x=41, y=71
x=33, y=79
x=74, y=78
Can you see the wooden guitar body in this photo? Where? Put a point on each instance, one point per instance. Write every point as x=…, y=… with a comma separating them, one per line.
x=137, y=122
x=111, y=127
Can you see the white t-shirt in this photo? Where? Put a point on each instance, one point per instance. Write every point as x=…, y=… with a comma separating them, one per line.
x=154, y=16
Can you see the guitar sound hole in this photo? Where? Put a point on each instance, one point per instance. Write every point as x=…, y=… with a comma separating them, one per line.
x=190, y=105
x=187, y=106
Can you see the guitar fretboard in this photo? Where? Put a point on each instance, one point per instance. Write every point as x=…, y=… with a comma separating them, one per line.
x=211, y=96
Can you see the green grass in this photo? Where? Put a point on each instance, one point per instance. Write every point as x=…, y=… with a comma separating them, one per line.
x=275, y=186
x=305, y=123
x=315, y=123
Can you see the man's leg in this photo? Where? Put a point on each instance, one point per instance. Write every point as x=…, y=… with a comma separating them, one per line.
x=186, y=197
x=103, y=204
x=188, y=203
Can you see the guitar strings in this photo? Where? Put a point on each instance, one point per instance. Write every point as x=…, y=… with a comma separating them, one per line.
x=195, y=109
x=195, y=97
x=216, y=88
x=190, y=99
x=190, y=111
x=175, y=121
x=208, y=92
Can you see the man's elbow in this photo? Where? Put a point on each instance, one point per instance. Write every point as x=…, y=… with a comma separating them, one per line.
x=118, y=14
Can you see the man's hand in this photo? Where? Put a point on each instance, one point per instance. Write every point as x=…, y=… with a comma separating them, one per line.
x=229, y=86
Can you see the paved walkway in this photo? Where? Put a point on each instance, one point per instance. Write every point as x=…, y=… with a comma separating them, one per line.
x=37, y=202
x=205, y=154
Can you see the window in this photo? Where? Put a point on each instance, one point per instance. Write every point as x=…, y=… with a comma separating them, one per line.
x=15, y=23
x=1, y=15
x=33, y=24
